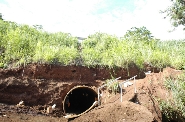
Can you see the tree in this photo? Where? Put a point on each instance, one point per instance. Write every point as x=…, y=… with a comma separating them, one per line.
x=176, y=12
x=1, y=16
x=138, y=34
x=38, y=27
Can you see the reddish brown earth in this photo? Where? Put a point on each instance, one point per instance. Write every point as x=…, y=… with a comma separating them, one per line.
x=40, y=86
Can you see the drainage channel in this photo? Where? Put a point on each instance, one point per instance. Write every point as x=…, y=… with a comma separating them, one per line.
x=79, y=100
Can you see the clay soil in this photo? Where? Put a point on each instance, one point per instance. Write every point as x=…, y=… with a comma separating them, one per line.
x=41, y=86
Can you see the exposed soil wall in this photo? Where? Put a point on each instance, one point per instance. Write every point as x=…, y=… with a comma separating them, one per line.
x=70, y=73
x=48, y=84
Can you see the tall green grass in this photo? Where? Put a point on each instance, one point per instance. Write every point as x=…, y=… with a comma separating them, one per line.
x=22, y=44
x=103, y=49
x=175, y=51
x=174, y=108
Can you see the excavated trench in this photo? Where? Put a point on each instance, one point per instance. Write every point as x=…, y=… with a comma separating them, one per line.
x=52, y=84
x=79, y=99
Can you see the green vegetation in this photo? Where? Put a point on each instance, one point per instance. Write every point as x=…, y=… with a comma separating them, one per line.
x=174, y=108
x=21, y=44
x=112, y=86
x=176, y=12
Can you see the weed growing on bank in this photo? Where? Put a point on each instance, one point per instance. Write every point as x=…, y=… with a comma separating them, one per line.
x=174, y=108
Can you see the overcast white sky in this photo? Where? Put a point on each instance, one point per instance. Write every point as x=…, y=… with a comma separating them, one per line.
x=85, y=17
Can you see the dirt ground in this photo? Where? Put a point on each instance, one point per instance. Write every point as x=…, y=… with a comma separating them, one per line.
x=42, y=86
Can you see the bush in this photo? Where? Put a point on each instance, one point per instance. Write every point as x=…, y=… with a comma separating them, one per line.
x=175, y=108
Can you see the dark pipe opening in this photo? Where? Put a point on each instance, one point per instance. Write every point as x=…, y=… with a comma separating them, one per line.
x=79, y=100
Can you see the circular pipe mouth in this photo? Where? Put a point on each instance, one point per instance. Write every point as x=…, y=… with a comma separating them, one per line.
x=79, y=99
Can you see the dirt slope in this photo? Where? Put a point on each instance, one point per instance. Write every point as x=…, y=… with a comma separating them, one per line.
x=42, y=86
x=140, y=107
x=118, y=112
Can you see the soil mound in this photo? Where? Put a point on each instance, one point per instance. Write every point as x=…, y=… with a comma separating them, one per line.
x=118, y=112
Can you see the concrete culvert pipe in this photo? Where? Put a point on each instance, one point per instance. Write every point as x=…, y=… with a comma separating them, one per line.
x=79, y=99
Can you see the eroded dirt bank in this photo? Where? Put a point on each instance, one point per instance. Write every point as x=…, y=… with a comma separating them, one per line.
x=48, y=84
x=70, y=73
x=42, y=85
